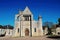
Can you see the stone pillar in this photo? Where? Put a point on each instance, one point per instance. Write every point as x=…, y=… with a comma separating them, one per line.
x=40, y=31
x=21, y=26
x=31, y=25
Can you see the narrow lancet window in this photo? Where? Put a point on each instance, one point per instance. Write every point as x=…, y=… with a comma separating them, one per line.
x=18, y=30
x=34, y=29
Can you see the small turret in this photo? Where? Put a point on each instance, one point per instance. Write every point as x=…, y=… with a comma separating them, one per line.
x=39, y=17
x=40, y=25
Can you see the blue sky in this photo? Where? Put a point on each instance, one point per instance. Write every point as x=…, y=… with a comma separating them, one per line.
x=48, y=9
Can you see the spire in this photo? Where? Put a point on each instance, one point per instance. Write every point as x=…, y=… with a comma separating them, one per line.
x=39, y=17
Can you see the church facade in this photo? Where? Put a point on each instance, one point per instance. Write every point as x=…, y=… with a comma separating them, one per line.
x=25, y=25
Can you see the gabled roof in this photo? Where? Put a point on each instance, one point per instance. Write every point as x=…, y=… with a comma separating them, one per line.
x=26, y=8
x=27, y=11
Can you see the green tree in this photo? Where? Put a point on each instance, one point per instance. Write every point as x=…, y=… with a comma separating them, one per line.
x=59, y=21
x=49, y=31
x=49, y=25
x=1, y=26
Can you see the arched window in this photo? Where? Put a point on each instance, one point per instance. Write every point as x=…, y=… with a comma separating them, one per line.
x=18, y=30
x=34, y=29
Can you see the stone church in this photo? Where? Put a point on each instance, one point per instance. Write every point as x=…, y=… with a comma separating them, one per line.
x=25, y=25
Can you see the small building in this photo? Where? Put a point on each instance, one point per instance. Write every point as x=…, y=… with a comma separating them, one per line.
x=9, y=30
x=45, y=30
x=57, y=29
x=6, y=30
x=2, y=31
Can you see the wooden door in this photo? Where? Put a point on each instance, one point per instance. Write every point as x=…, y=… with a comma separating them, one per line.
x=26, y=32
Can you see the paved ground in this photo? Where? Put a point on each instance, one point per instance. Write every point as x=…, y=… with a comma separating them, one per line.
x=27, y=38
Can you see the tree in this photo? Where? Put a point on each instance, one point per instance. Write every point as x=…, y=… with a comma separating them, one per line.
x=49, y=31
x=8, y=27
x=1, y=26
x=48, y=25
x=59, y=21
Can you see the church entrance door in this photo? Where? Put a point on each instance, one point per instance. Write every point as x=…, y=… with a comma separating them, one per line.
x=26, y=32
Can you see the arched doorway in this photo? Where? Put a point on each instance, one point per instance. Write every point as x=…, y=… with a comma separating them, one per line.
x=26, y=32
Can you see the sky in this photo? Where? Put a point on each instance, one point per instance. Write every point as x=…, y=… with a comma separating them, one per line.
x=48, y=9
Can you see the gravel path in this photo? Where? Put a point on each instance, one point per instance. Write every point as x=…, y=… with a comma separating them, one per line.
x=27, y=38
